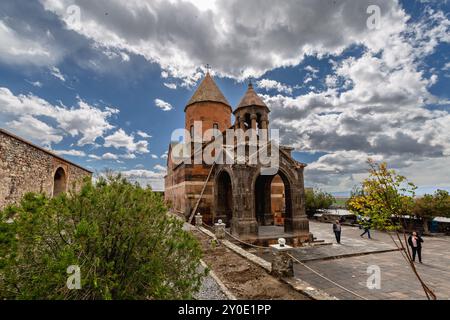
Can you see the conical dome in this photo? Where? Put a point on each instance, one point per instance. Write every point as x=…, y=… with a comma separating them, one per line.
x=208, y=91
x=251, y=98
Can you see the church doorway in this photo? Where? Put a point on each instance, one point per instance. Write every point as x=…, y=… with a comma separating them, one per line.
x=278, y=201
x=273, y=200
x=224, y=198
x=59, y=182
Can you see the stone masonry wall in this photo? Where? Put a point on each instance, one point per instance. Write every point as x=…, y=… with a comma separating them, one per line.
x=183, y=187
x=26, y=168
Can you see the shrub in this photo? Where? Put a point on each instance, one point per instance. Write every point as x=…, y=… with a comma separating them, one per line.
x=119, y=234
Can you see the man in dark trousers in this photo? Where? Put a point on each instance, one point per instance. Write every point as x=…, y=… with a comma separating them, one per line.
x=337, y=231
x=415, y=242
x=366, y=227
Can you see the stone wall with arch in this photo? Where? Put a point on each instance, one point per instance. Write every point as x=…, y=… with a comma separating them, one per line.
x=25, y=167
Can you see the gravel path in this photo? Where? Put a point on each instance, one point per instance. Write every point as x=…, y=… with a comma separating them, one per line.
x=210, y=290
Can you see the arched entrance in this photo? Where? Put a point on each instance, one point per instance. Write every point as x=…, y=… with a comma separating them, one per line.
x=224, y=198
x=264, y=207
x=278, y=203
x=59, y=182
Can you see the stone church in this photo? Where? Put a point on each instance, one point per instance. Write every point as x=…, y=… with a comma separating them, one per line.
x=238, y=194
x=26, y=167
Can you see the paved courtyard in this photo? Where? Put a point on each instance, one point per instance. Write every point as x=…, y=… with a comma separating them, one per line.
x=347, y=265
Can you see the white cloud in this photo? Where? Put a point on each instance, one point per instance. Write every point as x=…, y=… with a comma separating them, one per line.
x=163, y=105
x=95, y=157
x=311, y=69
x=36, y=84
x=128, y=156
x=84, y=121
x=146, y=178
x=57, y=74
x=36, y=130
x=160, y=168
x=375, y=105
x=331, y=81
x=205, y=5
x=109, y=156
x=268, y=84
x=154, y=156
x=172, y=86
x=114, y=55
x=143, y=134
x=74, y=153
x=180, y=36
x=18, y=49
x=120, y=139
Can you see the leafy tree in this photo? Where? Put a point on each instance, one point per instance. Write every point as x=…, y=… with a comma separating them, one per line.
x=317, y=200
x=355, y=194
x=119, y=234
x=384, y=198
x=431, y=206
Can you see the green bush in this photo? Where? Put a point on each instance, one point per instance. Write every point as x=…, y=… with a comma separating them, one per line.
x=119, y=234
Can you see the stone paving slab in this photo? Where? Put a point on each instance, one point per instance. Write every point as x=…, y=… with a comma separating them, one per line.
x=350, y=245
x=397, y=279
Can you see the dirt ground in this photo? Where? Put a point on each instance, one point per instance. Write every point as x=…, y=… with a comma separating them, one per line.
x=243, y=278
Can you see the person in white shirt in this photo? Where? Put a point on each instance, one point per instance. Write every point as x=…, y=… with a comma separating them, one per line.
x=415, y=242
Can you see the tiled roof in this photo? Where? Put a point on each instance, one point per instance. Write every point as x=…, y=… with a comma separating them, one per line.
x=208, y=91
x=251, y=98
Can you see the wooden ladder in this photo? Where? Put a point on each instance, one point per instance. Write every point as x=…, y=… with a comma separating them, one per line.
x=201, y=194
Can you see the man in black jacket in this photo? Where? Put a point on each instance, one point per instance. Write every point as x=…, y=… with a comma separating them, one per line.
x=415, y=242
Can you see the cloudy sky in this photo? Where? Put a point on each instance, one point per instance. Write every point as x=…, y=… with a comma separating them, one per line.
x=104, y=83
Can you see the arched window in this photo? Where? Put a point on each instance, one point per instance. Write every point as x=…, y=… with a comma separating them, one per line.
x=247, y=121
x=59, y=182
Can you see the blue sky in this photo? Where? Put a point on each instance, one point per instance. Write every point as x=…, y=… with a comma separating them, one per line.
x=106, y=88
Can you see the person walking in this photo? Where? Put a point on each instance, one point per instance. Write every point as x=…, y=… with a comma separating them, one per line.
x=337, y=231
x=366, y=226
x=366, y=230
x=415, y=242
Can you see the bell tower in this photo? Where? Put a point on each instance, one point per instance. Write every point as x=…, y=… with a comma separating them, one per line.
x=252, y=112
x=208, y=105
